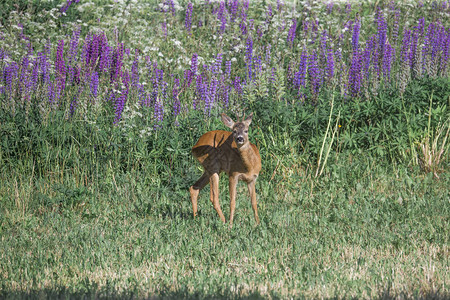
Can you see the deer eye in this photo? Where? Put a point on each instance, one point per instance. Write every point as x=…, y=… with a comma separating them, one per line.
x=246, y=131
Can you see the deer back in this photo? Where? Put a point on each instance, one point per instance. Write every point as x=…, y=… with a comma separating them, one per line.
x=217, y=151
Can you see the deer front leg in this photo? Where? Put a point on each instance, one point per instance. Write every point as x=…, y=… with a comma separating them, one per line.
x=252, y=190
x=232, y=186
x=214, y=182
x=195, y=189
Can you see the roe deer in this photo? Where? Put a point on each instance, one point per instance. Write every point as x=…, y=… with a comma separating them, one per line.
x=232, y=153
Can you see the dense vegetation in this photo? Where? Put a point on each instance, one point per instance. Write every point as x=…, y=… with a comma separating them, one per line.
x=101, y=102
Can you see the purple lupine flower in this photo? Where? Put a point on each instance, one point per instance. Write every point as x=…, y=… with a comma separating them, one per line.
x=188, y=19
x=272, y=76
x=257, y=63
x=243, y=26
x=194, y=63
x=135, y=70
x=217, y=65
x=164, y=28
x=10, y=72
x=60, y=67
x=222, y=16
x=291, y=34
x=158, y=114
x=74, y=103
x=437, y=39
x=280, y=5
x=404, y=55
x=238, y=85
x=269, y=13
x=233, y=10
x=105, y=58
x=51, y=92
x=85, y=52
x=188, y=75
x=153, y=95
x=159, y=75
x=382, y=32
x=330, y=7
x=330, y=65
x=44, y=66
x=146, y=100
x=300, y=76
x=223, y=23
x=375, y=63
x=171, y=6
x=226, y=95
x=76, y=75
x=305, y=26
x=211, y=95
x=245, y=5
x=427, y=45
x=315, y=26
x=48, y=48
x=3, y=54
x=413, y=50
x=94, y=49
x=396, y=26
x=200, y=92
x=74, y=45
x=94, y=84
x=66, y=6
x=122, y=99
x=355, y=36
x=117, y=62
x=387, y=61
x=22, y=35
x=355, y=74
x=23, y=74
x=421, y=26
x=348, y=8
x=249, y=56
x=35, y=73
x=366, y=56
x=314, y=74
x=323, y=44
x=73, y=106
x=228, y=67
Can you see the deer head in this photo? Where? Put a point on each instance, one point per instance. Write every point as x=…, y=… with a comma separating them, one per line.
x=239, y=128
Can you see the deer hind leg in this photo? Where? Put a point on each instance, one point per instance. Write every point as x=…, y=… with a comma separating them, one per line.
x=252, y=190
x=214, y=182
x=195, y=189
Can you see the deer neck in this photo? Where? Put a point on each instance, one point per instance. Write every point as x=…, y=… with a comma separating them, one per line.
x=247, y=155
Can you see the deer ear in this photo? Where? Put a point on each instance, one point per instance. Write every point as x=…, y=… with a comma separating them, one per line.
x=227, y=121
x=248, y=121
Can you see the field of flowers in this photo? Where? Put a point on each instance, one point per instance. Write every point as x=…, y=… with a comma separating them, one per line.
x=101, y=101
x=214, y=56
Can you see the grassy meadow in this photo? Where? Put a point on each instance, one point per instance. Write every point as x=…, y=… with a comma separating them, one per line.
x=101, y=102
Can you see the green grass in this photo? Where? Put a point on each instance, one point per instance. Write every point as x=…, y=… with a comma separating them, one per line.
x=361, y=231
